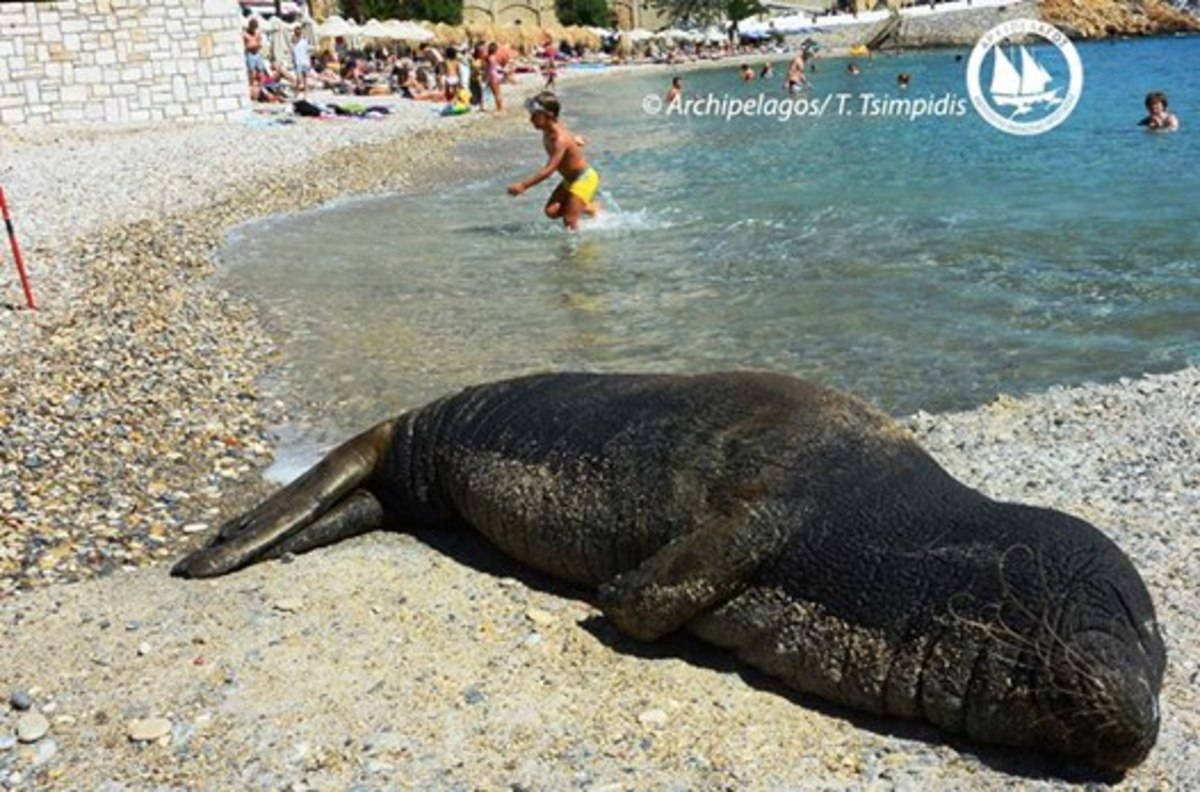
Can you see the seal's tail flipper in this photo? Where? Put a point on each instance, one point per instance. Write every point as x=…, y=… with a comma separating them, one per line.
x=324, y=505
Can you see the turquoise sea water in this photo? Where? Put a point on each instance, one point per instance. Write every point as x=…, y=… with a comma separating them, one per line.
x=925, y=264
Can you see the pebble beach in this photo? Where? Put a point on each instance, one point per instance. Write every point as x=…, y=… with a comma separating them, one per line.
x=132, y=423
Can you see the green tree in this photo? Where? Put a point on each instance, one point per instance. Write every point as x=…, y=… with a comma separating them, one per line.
x=448, y=11
x=707, y=12
x=737, y=10
x=583, y=12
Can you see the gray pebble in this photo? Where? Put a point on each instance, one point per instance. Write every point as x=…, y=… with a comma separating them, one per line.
x=45, y=752
x=8, y=742
x=20, y=700
x=32, y=727
x=149, y=729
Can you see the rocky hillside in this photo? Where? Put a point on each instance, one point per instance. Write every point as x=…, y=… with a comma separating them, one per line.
x=1102, y=18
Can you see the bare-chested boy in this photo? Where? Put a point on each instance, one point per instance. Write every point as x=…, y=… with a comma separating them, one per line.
x=573, y=197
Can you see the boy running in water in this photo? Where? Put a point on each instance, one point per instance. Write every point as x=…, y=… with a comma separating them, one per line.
x=574, y=195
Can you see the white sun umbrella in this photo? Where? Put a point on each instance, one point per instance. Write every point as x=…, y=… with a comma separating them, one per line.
x=395, y=29
x=411, y=31
x=640, y=34
x=714, y=35
x=335, y=27
x=374, y=29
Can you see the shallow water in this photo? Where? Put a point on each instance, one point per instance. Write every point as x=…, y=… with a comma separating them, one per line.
x=925, y=264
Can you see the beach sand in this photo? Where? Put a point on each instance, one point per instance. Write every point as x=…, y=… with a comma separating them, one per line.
x=131, y=423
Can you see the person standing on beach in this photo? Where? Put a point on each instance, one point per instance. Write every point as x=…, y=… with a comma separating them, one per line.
x=252, y=42
x=453, y=78
x=573, y=197
x=492, y=71
x=301, y=60
x=475, y=74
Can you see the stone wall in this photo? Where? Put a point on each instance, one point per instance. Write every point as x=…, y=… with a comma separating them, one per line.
x=530, y=13
x=79, y=62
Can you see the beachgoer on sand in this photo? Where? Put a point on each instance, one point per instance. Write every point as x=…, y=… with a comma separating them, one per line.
x=475, y=77
x=494, y=73
x=1159, y=119
x=453, y=68
x=252, y=41
x=575, y=195
x=301, y=60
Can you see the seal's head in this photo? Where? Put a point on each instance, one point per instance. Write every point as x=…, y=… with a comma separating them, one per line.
x=1077, y=649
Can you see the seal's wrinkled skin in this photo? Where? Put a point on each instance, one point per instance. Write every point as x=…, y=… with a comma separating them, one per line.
x=792, y=524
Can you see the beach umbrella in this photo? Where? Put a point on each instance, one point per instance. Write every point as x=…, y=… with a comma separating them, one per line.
x=638, y=35
x=411, y=31
x=374, y=29
x=336, y=27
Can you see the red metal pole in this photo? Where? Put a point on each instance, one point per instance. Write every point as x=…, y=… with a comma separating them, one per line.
x=16, y=249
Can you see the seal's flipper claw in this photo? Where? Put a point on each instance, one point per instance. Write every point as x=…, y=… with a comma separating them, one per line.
x=691, y=574
x=265, y=531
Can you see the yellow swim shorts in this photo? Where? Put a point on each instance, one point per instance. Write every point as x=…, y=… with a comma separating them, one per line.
x=585, y=187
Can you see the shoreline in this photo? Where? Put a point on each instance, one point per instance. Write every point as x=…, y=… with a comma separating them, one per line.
x=143, y=375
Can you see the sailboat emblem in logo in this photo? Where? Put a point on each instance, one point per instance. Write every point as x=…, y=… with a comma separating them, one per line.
x=1024, y=95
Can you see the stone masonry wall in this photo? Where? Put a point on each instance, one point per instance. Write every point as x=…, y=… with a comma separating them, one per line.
x=80, y=62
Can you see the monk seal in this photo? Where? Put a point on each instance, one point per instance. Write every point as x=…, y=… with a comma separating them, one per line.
x=792, y=524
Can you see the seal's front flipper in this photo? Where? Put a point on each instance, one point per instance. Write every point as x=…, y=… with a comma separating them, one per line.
x=268, y=530
x=691, y=574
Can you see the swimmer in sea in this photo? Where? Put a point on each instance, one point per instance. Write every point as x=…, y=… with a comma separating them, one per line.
x=1159, y=119
x=575, y=194
x=675, y=93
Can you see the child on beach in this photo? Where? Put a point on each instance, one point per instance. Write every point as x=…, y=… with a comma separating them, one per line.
x=573, y=197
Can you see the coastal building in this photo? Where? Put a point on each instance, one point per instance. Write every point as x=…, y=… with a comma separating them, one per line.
x=120, y=61
x=531, y=13
x=634, y=14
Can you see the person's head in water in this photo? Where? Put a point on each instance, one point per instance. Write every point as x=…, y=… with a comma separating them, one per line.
x=1159, y=117
x=543, y=108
